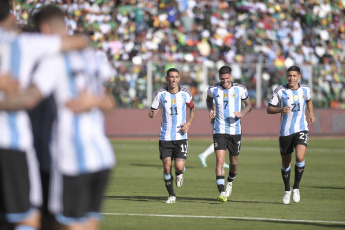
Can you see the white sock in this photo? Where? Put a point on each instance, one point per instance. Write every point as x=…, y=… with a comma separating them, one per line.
x=208, y=151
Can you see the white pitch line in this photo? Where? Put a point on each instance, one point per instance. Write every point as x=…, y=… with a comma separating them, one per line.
x=228, y=217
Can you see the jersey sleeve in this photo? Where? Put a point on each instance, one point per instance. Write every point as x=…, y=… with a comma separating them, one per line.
x=44, y=77
x=308, y=96
x=155, y=102
x=275, y=98
x=189, y=99
x=244, y=94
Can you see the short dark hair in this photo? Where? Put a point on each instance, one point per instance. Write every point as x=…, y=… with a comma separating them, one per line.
x=46, y=13
x=294, y=68
x=5, y=8
x=224, y=70
x=172, y=70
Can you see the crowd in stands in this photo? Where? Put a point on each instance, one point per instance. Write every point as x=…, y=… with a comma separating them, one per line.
x=275, y=33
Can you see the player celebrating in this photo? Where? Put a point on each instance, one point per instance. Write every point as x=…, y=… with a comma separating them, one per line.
x=293, y=99
x=19, y=178
x=228, y=99
x=173, y=141
x=81, y=155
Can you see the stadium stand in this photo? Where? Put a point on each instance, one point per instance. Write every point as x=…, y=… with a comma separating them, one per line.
x=195, y=33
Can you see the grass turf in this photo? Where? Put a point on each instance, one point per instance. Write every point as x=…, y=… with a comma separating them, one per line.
x=137, y=187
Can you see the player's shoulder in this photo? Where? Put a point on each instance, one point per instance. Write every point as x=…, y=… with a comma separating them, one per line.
x=304, y=86
x=160, y=91
x=280, y=88
x=185, y=90
x=215, y=86
x=238, y=85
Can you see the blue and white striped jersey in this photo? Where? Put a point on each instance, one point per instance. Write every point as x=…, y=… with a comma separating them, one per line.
x=173, y=114
x=227, y=101
x=295, y=121
x=80, y=142
x=18, y=56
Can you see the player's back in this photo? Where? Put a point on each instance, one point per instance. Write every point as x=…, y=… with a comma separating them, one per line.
x=80, y=138
x=19, y=54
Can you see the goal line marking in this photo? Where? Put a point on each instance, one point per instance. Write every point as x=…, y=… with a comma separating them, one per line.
x=227, y=217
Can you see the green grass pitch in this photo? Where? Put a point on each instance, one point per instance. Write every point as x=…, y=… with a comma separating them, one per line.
x=137, y=187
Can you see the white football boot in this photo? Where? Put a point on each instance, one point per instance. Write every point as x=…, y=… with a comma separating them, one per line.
x=295, y=195
x=286, y=197
x=171, y=200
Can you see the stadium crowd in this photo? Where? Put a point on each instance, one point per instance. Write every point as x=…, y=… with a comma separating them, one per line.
x=276, y=33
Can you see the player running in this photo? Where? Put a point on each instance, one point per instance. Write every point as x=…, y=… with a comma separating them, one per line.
x=173, y=141
x=290, y=100
x=228, y=99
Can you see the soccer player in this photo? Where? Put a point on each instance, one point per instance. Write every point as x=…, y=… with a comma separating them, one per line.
x=82, y=155
x=290, y=100
x=226, y=109
x=173, y=141
x=19, y=179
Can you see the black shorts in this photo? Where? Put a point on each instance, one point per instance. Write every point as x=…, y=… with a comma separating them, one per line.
x=226, y=141
x=173, y=149
x=288, y=143
x=14, y=185
x=82, y=196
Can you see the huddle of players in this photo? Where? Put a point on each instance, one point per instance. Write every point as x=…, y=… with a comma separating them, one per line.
x=224, y=102
x=33, y=71
x=61, y=82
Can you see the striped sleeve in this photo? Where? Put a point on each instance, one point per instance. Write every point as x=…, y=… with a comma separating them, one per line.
x=155, y=102
x=274, y=101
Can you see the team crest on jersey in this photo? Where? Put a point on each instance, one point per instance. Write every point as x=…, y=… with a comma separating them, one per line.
x=234, y=95
x=226, y=95
x=295, y=97
x=303, y=96
x=173, y=101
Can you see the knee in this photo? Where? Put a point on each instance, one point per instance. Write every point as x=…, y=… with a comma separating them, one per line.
x=180, y=168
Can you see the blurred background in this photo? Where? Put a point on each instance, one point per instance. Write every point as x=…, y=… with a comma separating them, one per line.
x=258, y=39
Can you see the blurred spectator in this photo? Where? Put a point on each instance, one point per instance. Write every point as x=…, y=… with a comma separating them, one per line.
x=199, y=31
